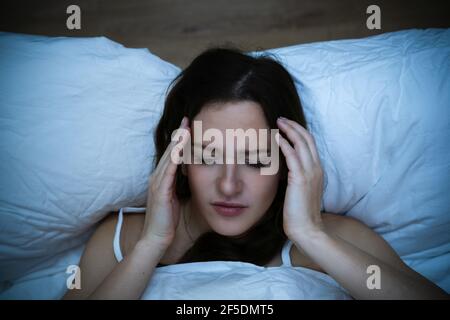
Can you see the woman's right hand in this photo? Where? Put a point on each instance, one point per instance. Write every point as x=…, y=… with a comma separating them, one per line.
x=163, y=207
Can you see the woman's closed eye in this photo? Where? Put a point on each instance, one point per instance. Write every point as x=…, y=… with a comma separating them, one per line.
x=212, y=161
x=256, y=165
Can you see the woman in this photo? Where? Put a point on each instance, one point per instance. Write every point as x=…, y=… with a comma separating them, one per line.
x=191, y=210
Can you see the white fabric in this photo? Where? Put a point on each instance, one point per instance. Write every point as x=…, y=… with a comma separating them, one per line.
x=379, y=109
x=116, y=241
x=285, y=256
x=241, y=281
x=76, y=140
x=77, y=117
x=235, y=280
x=47, y=280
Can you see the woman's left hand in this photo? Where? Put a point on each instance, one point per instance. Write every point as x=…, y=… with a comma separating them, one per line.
x=301, y=212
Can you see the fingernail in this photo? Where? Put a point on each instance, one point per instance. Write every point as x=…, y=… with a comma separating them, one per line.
x=277, y=138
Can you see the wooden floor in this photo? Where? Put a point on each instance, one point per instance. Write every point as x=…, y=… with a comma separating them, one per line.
x=177, y=30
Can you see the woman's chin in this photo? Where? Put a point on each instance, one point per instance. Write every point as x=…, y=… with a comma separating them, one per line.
x=229, y=232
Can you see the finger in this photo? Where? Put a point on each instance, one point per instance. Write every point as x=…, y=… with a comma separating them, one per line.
x=164, y=162
x=290, y=154
x=168, y=177
x=307, y=136
x=166, y=157
x=299, y=143
x=173, y=155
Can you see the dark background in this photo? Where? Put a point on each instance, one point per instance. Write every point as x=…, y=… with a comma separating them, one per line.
x=177, y=30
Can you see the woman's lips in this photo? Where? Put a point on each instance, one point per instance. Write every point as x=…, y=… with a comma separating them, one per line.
x=228, y=209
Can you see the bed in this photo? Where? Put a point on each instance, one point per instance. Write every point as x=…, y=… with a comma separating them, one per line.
x=77, y=117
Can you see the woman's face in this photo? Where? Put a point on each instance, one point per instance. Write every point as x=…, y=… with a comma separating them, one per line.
x=236, y=183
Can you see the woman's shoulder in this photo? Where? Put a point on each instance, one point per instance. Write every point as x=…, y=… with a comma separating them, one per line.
x=130, y=229
x=334, y=223
x=346, y=227
x=356, y=233
x=98, y=258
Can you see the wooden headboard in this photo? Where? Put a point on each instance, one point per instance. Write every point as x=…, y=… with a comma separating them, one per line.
x=177, y=30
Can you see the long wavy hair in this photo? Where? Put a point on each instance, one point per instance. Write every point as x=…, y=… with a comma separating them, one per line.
x=226, y=74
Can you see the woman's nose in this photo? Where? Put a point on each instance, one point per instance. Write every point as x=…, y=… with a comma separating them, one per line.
x=229, y=182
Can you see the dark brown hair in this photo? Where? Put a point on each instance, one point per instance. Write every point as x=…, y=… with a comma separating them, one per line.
x=226, y=74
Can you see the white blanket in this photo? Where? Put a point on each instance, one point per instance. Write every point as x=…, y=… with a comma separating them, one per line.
x=213, y=280
x=77, y=114
x=241, y=281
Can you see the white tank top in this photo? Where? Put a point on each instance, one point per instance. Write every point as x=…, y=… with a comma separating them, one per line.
x=234, y=280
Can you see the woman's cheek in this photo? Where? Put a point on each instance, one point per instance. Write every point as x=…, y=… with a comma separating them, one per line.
x=198, y=175
x=263, y=187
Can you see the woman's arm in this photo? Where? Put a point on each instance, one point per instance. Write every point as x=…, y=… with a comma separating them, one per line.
x=97, y=260
x=130, y=277
x=348, y=248
x=343, y=258
x=102, y=277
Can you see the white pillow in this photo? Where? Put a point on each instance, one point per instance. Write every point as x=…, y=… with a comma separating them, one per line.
x=379, y=109
x=76, y=139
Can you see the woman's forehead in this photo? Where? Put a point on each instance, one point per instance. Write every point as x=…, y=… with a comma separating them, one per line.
x=232, y=115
